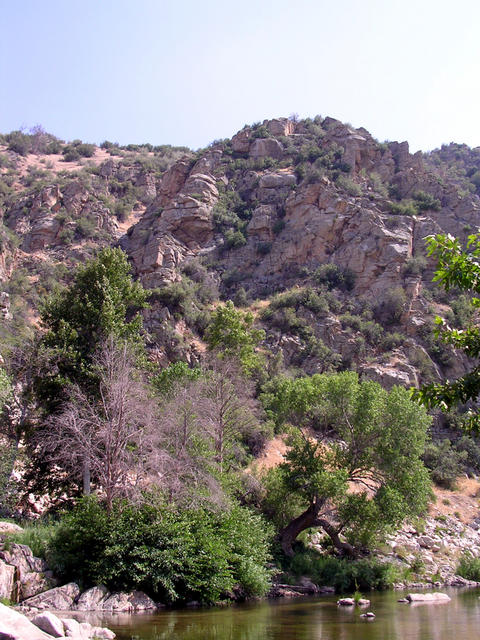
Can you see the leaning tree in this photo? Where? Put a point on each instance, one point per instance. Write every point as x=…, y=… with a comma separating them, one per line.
x=360, y=472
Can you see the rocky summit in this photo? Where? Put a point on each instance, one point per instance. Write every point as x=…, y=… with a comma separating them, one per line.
x=313, y=224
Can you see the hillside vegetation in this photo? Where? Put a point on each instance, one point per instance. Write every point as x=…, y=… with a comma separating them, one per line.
x=166, y=313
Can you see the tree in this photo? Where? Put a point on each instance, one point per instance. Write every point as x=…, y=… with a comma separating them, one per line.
x=231, y=332
x=367, y=477
x=212, y=418
x=457, y=267
x=102, y=301
x=7, y=448
x=111, y=439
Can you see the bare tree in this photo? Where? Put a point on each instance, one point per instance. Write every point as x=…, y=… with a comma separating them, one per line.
x=187, y=468
x=226, y=410
x=111, y=440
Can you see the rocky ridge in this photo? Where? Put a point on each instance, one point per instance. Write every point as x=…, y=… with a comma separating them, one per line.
x=261, y=212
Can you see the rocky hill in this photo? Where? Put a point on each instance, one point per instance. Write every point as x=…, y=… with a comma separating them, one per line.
x=314, y=225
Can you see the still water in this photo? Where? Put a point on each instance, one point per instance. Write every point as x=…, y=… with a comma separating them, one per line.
x=311, y=619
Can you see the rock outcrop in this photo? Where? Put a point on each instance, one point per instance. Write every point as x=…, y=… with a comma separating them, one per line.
x=263, y=211
x=58, y=599
x=24, y=575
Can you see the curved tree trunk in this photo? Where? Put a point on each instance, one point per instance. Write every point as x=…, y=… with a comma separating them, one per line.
x=344, y=547
x=309, y=518
x=288, y=534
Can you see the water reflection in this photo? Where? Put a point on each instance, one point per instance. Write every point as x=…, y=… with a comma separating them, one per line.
x=310, y=619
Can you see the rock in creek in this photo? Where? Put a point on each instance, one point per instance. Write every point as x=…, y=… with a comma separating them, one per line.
x=428, y=597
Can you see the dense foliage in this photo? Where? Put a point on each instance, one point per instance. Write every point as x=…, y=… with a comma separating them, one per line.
x=343, y=574
x=469, y=567
x=174, y=556
x=378, y=438
x=102, y=301
x=457, y=267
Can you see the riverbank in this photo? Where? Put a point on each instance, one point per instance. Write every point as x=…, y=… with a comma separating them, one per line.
x=422, y=557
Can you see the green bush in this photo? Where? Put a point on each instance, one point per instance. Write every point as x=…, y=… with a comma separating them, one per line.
x=471, y=448
x=445, y=463
x=335, y=277
x=37, y=536
x=345, y=575
x=86, y=227
x=391, y=308
x=371, y=330
x=295, y=298
x=469, y=567
x=70, y=155
x=348, y=185
x=234, y=239
x=404, y=208
x=19, y=142
x=263, y=248
x=426, y=202
x=173, y=556
x=415, y=266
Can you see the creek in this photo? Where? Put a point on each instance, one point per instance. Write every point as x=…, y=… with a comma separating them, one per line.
x=316, y=618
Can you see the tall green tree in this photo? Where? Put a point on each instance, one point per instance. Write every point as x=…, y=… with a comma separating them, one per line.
x=103, y=301
x=458, y=267
x=232, y=333
x=366, y=477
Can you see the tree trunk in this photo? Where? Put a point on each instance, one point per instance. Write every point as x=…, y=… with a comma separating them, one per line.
x=86, y=478
x=288, y=534
x=309, y=518
x=344, y=547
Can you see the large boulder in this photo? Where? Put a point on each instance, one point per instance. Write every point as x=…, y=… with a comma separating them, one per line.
x=281, y=127
x=266, y=147
x=31, y=573
x=21, y=557
x=60, y=598
x=15, y=626
x=49, y=623
x=72, y=628
x=7, y=580
x=134, y=601
x=92, y=599
x=428, y=597
x=32, y=583
x=8, y=527
x=277, y=180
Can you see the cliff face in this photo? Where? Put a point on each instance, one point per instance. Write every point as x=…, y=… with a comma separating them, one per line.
x=263, y=212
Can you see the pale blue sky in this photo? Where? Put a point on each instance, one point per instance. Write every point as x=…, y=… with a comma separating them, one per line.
x=187, y=72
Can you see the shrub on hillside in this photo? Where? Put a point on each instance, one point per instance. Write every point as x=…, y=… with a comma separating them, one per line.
x=19, y=142
x=335, y=277
x=415, y=265
x=445, y=462
x=426, y=202
x=404, y=208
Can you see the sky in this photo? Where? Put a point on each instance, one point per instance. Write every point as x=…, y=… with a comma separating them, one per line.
x=187, y=72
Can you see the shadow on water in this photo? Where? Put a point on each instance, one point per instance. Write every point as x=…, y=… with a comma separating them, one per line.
x=310, y=619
